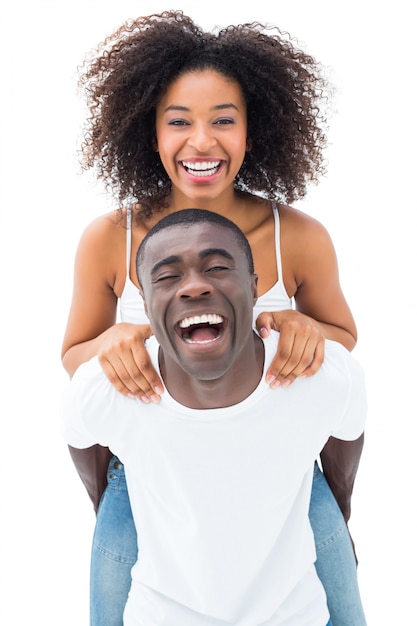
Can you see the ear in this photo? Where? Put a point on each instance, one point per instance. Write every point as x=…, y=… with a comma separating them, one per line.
x=255, y=288
x=144, y=301
x=248, y=144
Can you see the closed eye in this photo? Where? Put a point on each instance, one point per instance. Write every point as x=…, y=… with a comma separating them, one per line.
x=160, y=279
x=218, y=268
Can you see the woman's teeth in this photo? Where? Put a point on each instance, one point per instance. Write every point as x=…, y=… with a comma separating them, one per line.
x=204, y=168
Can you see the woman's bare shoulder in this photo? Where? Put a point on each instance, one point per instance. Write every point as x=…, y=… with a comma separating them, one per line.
x=103, y=235
x=105, y=226
x=302, y=230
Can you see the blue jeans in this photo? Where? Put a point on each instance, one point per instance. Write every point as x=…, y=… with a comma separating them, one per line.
x=336, y=563
x=115, y=551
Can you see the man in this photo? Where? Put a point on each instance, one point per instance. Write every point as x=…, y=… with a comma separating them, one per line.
x=220, y=471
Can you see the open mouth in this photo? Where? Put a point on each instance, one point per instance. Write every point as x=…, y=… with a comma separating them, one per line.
x=201, y=329
x=201, y=168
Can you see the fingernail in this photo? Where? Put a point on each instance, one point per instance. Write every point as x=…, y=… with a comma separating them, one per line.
x=155, y=398
x=130, y=395
x=145, y=399
x=159, y=390
x=263, y=332
x=270, y=379
x=276, y=384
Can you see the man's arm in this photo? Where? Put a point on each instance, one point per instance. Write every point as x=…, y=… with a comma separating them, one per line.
x=84, y=403
x=340, y=461
x=92, y=464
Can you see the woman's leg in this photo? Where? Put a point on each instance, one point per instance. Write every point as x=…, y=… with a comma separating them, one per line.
x=114, y=551
x=336, y=564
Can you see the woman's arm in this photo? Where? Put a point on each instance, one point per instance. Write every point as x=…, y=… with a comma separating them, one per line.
x=311, y=276
x=99, y=278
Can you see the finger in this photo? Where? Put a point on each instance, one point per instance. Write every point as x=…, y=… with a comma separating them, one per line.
x=297, y=354
x=118, y=375
x=263, y=324
x=119, y=372
x=146, y=378
x=316, y=362
x=283, y=354
x=302, y=358
x=143, y=372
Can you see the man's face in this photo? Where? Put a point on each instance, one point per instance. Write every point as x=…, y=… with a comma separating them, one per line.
x=199, y=296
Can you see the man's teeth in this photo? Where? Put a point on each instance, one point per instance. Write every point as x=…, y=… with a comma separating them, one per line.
x=189, y=340
x=204, y=168
x=208, y=318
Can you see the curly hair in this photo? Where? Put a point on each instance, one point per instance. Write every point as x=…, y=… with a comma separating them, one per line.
x=284, y=88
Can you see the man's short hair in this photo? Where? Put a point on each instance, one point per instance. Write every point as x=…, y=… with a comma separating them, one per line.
x=189, y=217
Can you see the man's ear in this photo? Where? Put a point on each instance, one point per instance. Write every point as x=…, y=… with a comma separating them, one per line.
x=144, y=301
x=255, y=288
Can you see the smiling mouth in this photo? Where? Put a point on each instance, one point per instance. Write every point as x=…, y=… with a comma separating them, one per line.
x=201, y=168
x=201, y=329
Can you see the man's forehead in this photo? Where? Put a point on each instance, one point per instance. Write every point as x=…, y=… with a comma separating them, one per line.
x=182, y=239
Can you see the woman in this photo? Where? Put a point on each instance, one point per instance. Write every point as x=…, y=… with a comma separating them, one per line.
x=229, y=122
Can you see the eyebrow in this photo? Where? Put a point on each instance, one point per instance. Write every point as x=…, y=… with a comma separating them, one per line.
x=217, y=107
x=174, y=258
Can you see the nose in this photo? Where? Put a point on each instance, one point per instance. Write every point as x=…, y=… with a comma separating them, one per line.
x=201, y=137
x=194, y=285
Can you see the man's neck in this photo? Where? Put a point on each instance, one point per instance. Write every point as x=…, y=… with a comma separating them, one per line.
x=230, y=388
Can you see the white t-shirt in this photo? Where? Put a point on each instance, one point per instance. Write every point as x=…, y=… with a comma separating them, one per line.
x=220, y=497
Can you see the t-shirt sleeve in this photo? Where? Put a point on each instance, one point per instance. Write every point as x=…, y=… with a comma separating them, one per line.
x=89, y=406
x=353, y=415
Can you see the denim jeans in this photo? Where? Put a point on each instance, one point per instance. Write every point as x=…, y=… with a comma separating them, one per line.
x=336, y=563
x=115, y=551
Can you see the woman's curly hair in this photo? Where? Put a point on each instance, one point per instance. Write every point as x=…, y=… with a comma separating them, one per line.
x=284, y=89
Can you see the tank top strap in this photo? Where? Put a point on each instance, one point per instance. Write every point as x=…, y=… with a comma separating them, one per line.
x=277, y=241
x=129, y=211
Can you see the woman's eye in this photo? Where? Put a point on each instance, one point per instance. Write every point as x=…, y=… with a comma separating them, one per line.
x=225, y=121
x=177, y=123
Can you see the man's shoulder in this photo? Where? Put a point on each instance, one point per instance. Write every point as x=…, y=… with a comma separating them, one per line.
x=89, y=370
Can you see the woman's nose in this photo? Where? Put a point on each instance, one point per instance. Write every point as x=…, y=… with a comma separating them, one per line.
x=201, y=138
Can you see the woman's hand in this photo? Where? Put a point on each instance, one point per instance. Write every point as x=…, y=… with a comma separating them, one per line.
x=300, y=348
x=126, y=363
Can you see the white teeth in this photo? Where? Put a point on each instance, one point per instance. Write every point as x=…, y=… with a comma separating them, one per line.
x=208, y=318
x=202, y=168
x=187, y=340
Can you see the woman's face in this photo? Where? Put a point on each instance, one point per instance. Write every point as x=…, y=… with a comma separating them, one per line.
x=201, y=130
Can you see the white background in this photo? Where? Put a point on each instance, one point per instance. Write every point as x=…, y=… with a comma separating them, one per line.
x=367, y=202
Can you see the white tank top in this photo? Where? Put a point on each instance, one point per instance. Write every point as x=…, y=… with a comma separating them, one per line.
x=131, y=307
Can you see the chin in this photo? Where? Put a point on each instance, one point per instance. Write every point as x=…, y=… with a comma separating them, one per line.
x=204, y=373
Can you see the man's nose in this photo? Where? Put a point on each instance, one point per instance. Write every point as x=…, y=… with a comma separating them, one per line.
x=194, y=285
